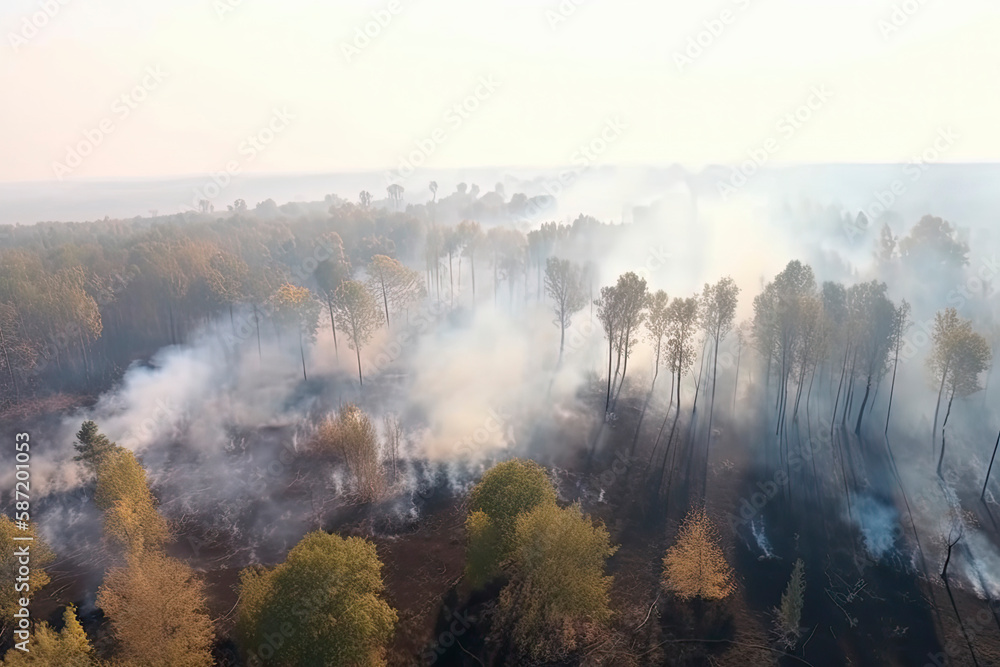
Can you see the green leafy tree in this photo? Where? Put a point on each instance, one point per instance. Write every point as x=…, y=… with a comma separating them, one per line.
x=506, y=491
x=325, y=601
x=564, y=285
x=357, y=314
x=558, y=590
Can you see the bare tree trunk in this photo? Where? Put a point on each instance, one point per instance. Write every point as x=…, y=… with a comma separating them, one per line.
x=333, y=327
x=861, y=412
x=256, y=319
x=982, y=496
x=736, y=384
x=937, y=410
x=607, y=403
x=302, y=353
x=385, y=300
x=840, y=386
x=357, y=350
x=892, y=387
x=943, y=427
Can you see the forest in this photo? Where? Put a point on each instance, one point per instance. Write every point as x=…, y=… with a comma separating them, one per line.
x=377, y=431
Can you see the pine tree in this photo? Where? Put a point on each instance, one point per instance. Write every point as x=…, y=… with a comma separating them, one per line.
x=788, y=616
x=92, y=446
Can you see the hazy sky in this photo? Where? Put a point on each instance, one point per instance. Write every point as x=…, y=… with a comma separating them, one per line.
x=559, y=73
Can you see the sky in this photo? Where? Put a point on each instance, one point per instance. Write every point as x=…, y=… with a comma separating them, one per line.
x=109, y=89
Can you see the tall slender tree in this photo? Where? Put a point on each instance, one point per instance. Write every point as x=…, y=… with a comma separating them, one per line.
x=357, y=314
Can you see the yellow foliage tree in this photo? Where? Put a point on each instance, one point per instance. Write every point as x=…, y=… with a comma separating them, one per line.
x=41, y=556
x=67, y=648
x=130, y=516
x=695, y=567
x=158, y=612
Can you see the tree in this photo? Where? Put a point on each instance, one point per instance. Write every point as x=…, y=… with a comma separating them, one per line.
x=695, y=567
x=875, y=325
x=620, y=311
x=395, y=194
x=609, y=314
x=158, y=613
x=393, y=438
x=777, y=325
x=558, y=587
x=682, y=322
x=41, y=557
x=564, y=286
x=130, y=517
x=92, y=446
x=788, y=616
x=932, y=244
x=66, y=648
x=330, y=273
x=358, y=314
x=959, y=357
x=472, y=238
x=506, y=490
x=294, y=307
x=365, y=199
x=719, y=303
x=326, y=598
x=657, y=324
x=352, y=436
x=632, y=301
x=226, y=278
x=901, y=323
x=392, y=283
